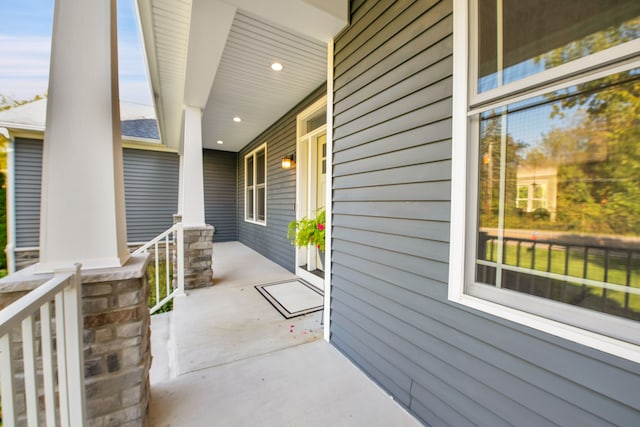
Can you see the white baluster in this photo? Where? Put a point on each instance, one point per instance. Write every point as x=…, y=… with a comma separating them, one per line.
x=61, y=350
x=48, y=364
x=7, y=381
x=30, y=379
x=73, y=323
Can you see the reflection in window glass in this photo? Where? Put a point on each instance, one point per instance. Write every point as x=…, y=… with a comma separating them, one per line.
x=249, y=214
x=538, y=192
x=536, y=35
x=317, y=120
x=250, y=171
x=255, y=191
x=260, y=204
x=523, y=192
x=566, y=167
x=260, y=167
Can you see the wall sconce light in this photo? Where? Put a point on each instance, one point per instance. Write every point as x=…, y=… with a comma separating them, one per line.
x=288, y=162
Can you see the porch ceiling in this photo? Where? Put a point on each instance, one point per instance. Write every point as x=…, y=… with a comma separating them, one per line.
x=216, y=55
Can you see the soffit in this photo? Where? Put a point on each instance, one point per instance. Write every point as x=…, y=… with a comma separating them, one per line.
x=246, y=87
x=165, y=31
x=292, y=32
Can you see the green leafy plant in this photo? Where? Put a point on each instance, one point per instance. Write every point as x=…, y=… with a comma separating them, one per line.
x=153, y=298
x=308, y=231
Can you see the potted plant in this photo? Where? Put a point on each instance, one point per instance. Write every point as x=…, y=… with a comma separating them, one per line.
x=309, y=231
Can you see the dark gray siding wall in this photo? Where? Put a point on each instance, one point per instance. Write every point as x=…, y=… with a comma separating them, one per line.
x=221, y=193
x=28, y=174
x=151, y=192
x=391, y=190
x=271, y=241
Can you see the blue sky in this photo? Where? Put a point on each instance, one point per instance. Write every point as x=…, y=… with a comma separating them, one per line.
x=25, y=45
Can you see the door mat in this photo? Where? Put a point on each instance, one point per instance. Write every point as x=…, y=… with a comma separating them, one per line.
x=292, y=298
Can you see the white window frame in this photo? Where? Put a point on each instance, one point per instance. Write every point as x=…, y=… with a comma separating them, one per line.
x=527, y=204
x=466, y=105
x=254, y=155
x=522, y=201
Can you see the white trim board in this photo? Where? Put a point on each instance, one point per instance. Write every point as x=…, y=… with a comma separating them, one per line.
x=329, y=197
x=304, y=143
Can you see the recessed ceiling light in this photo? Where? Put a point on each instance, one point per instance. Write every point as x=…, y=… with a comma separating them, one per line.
x=237, y=119
x=220, y=142
x=276, y=66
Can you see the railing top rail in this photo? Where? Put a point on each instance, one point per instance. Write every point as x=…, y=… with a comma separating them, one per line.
x=574, y=244
x=156, y=239
x=13, y=314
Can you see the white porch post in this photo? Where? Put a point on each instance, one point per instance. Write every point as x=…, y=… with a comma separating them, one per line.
x=83, y=215
x=197, y=247
x=191, y=196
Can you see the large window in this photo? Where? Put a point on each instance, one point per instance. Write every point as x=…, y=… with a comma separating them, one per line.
x=548, y=126
x=255, y=183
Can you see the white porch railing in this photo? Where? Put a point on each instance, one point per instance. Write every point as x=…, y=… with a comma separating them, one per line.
x=61, y=295
x=178, y=232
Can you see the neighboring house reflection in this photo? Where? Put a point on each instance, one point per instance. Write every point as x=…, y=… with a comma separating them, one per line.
x=537, y=189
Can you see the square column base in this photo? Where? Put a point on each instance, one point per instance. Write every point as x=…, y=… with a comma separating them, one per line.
x=198, y=257
x=116, y=341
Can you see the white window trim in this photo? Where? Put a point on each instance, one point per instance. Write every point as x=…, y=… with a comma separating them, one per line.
x=310, y=111
x=556, y=73
x=255, y=193
x=528, y=202
x=460, y=183
x=303, y=177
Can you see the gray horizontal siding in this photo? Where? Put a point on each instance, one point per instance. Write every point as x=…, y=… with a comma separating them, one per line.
x=221, y=193
x=271, y=241
x=447, y=364
x=151, y=192
x=28, y=180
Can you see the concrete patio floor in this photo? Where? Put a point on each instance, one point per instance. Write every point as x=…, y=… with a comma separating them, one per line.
x=240, y=363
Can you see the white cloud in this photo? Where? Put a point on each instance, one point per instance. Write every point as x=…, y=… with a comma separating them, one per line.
x=25, y=65
x=134, y=86
x=24, y=69
x=135, y=91
x=131, y=60
x=23, y=88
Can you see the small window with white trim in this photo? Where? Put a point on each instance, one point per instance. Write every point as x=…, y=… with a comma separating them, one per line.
x=546, y=119
x=255, y=184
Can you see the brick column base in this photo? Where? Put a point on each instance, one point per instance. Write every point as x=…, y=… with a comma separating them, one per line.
x=198, y=252
x=117, y=341
x=117, y=344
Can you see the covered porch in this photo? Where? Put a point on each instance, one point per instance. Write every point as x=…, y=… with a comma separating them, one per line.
x=238, y=360
x=209, y=101
x=401, y=159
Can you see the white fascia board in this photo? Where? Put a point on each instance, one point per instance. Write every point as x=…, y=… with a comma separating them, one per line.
x=168, y=94
x=146, y=58
x=147, y=145
x=17, y=127
x=145, y=19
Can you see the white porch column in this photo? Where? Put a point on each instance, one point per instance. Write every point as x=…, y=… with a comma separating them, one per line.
x=83, y=215
x=191, y=197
